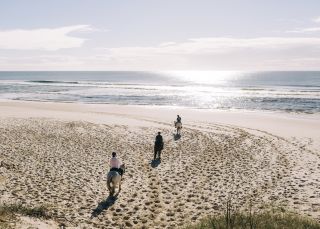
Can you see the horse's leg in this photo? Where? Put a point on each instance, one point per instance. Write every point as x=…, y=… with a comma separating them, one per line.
x=108, y=184
x=113, y=189
x=120, y=185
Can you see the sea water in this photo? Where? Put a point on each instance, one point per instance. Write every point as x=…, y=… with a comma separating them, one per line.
x=297, y=91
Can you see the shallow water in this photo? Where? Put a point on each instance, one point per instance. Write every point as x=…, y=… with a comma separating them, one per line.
x=273, y=91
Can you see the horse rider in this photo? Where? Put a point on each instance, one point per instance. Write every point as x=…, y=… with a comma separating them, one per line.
x=178, y=119
x=158, y=145
x=115, y=164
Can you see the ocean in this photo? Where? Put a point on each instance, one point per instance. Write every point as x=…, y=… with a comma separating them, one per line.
x=296, y=91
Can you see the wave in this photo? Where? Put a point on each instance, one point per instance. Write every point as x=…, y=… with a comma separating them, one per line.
x=52, y=82
x=302, y=85
x=257, y=89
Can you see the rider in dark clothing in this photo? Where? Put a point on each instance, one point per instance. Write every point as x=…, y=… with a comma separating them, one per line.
x=178, y=119
x=159, y=138
x=158, y=145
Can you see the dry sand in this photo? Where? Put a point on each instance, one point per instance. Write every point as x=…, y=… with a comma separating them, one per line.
x=57, y=154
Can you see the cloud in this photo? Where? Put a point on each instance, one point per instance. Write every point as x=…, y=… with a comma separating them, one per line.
x=216, y=45
x=220, y=53
x=305, y=30
x=208, y=53
x=43, y=39
x=317, y=19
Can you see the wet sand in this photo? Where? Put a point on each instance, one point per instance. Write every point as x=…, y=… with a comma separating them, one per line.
x=57, y=155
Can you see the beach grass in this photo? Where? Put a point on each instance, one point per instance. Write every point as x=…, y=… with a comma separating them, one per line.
x=271, y=218
x=9, y=213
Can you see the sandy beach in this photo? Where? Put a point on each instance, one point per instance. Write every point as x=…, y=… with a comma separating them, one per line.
x=56, y=155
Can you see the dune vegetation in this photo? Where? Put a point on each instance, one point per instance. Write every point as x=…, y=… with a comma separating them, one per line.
x=271, y=218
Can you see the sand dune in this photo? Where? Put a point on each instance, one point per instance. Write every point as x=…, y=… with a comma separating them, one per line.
x=63, y=164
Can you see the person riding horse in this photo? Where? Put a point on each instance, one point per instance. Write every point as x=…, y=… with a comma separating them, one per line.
x=178, y=119
x=115, y=164
x=114, y=176
x=158, y=146
x=178, y=124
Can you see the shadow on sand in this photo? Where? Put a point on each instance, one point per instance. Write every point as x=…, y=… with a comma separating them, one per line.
x=155, y=163
x=176, y=137
x=104, y=205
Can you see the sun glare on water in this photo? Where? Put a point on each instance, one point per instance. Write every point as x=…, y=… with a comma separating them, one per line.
x=206, y=77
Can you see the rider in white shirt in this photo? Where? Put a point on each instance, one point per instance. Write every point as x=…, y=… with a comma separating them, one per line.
x=115, y=164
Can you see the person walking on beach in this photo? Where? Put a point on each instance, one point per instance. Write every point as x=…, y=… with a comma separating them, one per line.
x=158, y=146
x=115, y=164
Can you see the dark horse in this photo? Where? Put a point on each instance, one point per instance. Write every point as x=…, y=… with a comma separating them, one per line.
x=158, y=147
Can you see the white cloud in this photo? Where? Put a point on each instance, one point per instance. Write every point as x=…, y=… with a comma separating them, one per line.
x=221, y=53
x=305, y=30
x=317, y=19
x=42, y=39
x=219, y=45
x=212, y=53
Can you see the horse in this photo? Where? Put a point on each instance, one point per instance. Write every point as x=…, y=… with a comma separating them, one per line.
x=114, y=178
x=178, y=126
x=158, y=147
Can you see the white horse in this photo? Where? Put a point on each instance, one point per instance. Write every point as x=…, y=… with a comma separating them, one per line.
x=178, y=126
x=114, y=179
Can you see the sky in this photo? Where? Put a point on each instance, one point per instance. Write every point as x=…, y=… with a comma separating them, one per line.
x=160, y=35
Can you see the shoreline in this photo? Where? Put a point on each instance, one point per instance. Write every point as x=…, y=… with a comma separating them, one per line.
x=279, y=123
x=306, y=115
